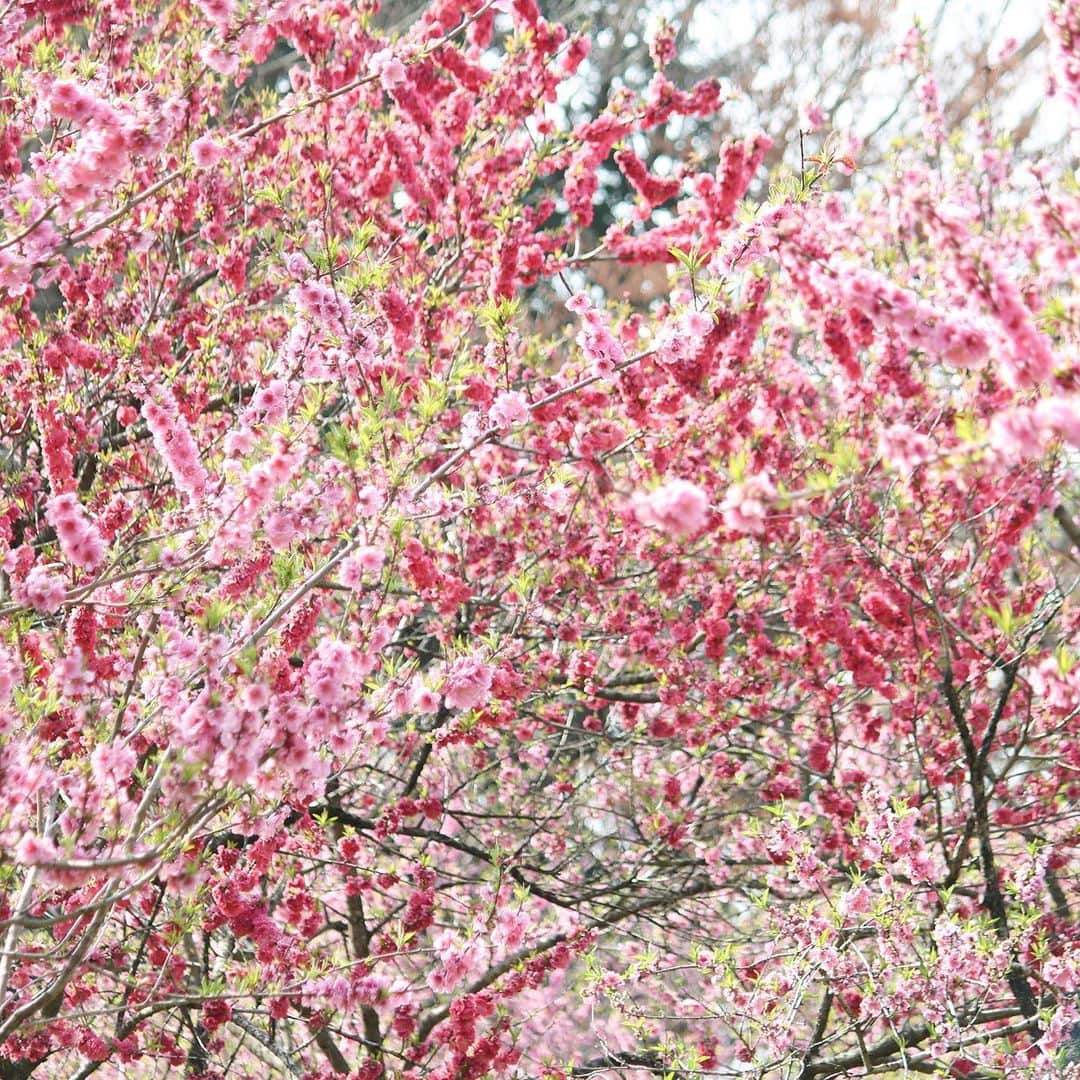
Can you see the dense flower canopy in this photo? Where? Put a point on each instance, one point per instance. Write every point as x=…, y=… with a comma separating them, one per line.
x=396, y=682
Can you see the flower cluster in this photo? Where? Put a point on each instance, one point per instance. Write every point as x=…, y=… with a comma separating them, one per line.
x=959, y=338
x=42, y=590
x=601, y=349
x=745, y=506
x=1063, y=26
x=80, y=539
x=679, y=508
x=174, y=442
x=467, y=683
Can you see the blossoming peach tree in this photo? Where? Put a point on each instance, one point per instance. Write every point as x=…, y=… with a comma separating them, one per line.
x=388, y=688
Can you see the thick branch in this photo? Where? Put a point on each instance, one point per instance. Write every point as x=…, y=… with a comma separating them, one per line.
x=994, y=899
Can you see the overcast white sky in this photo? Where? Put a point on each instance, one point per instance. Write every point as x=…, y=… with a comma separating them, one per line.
x=958, y=21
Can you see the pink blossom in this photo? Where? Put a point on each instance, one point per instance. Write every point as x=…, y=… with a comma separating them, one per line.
x=370, y=558
x=281, y=529
x=255, y=697
x=43, y=590
x=217, y=59
x=904, y=447
x=457, y=962
x=679, y=508
x=390, y=70
x=206, y=152
x=426, y=701
x=173, y=441
x=509, y=409
x=34, y=850
x=112, y=763
x=811, y=116
x=662, y=45
x=80, y=539
x=74, y=102
x=363, y=565
x=1063, y=26
x=467, y=683
x=601, y=348
x=697, y=324
x=219, y=12
x=744, y=507
x=500, y=682
x=1016, y=433
x=10, y=674
x=509, y=932
x=239, y=443
x=271, y=400
x=1061, y=416
x=325, y=682
x=73, y=675
x=369, y=500
x=322, y=305
x=350, y=573
x=215, y=1013
x=856, y=901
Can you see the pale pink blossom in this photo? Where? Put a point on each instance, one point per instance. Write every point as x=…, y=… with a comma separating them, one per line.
x=219, y=12
x=904, y=447
x=509, y=932
x=351, y=573
x=80, y=539
x=1016, y=434
x=10, y=673
x=745, y=505
x=679, y=508
x=217, y=59
x=603, y=351
x=33, y=850
x=457, y=961
x=174, y=442
x=324, y=307
x=112, y=763
x=426, y=701
x=270, y=400
x=281, y=529
x=467, y=683
x=74, y=102
x=73, y=675
x=508, y=409
x=369, y=500
x=43, y=590
x=389, y=68
x=1061, y=416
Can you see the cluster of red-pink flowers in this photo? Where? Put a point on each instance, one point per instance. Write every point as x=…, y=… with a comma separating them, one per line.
x=960, y=338
x=420, y=648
